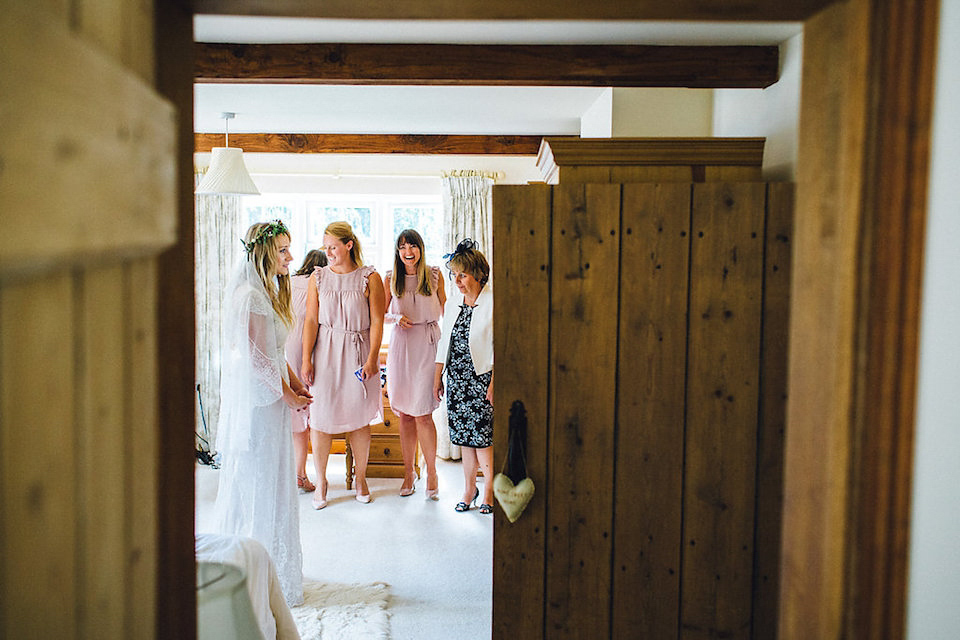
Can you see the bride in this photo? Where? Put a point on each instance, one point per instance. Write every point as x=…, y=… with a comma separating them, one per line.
x=257, y=494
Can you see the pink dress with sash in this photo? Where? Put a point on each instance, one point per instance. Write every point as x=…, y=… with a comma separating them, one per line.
x=341, y=402
x=410, y=358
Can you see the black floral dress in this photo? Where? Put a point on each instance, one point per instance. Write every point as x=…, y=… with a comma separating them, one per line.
x=469, y=414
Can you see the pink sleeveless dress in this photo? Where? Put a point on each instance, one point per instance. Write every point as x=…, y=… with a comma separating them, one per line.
x=410, y=358
x=341, y=402
x=294, y=344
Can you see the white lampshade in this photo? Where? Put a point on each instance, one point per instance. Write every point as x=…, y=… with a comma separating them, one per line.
x=227, y=174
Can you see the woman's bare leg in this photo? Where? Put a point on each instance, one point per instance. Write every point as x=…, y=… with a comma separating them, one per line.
x=485, y=458
x=321, y=453
x=427, y=436
x=300, y=439
x=408, y=447
x=469, y=462
x=360, y=445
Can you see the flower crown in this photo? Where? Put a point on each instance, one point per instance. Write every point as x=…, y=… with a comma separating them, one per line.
x=273, y=229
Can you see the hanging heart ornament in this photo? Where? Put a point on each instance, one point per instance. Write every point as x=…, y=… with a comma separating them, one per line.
x=513, y=499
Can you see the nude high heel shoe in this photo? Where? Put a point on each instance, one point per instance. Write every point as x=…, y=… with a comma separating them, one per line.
x=363, y=497
x=320, y=498
x=433, y=494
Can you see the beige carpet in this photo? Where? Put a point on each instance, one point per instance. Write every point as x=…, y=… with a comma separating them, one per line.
x=332, y=611
x=438, y=563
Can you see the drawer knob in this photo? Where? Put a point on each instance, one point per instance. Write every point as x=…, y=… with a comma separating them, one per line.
x=386, y=422
x=386, y=451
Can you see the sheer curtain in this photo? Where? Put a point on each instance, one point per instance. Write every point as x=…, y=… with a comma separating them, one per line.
x=217, y=243
x=467, y=204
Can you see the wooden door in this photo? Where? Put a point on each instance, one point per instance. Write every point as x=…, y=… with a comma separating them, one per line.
x=643, y=326
x=88, y=196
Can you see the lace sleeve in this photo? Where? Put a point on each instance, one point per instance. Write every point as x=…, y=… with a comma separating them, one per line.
x=251, y=360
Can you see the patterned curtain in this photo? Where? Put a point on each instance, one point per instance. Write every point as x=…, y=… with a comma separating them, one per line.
x=467, y=201
x=467, y=204
x=217, y=243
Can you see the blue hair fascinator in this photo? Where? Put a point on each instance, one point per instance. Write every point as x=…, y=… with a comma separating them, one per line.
x=465, y=245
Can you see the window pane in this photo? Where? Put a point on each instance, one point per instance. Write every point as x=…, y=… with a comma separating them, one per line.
x=320, y=215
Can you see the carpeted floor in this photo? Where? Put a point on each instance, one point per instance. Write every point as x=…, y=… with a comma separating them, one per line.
x=437, y=562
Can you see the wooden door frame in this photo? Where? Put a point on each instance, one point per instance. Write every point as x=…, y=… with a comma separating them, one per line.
x=882, y=174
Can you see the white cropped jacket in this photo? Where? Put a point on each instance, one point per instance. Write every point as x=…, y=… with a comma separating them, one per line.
x=481, y=329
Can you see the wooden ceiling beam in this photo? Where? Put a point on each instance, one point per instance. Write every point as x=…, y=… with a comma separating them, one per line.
x=372, y=143
x=767, y=10
x=703, y=67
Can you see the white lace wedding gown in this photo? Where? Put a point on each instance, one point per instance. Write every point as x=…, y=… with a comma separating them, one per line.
x=257, y=494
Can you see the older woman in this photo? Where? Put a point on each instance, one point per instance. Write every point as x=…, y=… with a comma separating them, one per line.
x=466, y=349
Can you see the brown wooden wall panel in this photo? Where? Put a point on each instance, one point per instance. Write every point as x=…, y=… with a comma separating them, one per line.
x=141, y=470
x=38, y=467
x=722, y=400
x=773, y=407
x=78, y=115
x=583, y=358
x=100, y=310
x=651, y=402
x=824, y=301
x=731, y=174
x=521, y=276
x=176, y=337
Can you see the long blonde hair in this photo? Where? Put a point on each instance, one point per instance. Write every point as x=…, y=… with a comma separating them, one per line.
x=398, y=281
x=342, y=230
x=260, y=242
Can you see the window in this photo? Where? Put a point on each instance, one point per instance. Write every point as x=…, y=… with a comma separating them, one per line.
x=376, y=220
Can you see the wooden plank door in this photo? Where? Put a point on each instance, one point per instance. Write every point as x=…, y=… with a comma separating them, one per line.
x=651, y=409
x=87, y=194
x=521, y=292
x=726, y=267
x=646, y=332
x=583, y=371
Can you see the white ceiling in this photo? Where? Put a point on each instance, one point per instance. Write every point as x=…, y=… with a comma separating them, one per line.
x=432, y=110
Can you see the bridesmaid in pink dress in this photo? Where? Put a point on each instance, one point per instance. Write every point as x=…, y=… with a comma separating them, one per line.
x=294, y=352
x=414, y=297
x=342, y=332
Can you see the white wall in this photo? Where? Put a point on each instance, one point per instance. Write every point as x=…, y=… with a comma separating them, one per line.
x=933, y=607
x=597, y=121
x=662, y=112
x=771, y=113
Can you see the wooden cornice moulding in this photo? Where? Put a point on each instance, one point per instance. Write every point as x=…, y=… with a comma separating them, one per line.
x=600, y=65
x=373, y=143
x=646, y=152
